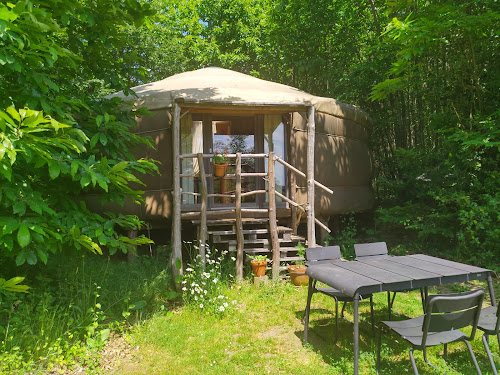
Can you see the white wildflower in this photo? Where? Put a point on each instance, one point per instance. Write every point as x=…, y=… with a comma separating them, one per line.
x=189, y=269
x=220, y=297
x=215, y=281
x=233, y=259
x=221, y=308
x=201, y=305
x=234, y=302
x=184, y=288
x=225, y=304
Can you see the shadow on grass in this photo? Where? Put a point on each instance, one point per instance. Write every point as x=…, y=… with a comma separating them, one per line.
x=395, y=350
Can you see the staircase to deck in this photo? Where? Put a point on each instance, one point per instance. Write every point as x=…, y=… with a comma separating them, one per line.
x=257, y=241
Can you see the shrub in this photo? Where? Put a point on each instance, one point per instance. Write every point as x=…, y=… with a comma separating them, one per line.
x=204, y=287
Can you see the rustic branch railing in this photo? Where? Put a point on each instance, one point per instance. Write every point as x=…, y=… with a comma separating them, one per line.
x=238, y=210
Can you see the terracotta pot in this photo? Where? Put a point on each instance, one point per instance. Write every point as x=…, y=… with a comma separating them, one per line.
x=259, y=267
x=298, y=275
x=220, y=169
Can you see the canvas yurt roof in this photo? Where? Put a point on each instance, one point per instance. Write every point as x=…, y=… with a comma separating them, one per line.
x=217, y=85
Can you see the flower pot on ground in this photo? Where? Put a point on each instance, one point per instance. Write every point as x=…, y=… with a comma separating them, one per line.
x=297, y=271
x=259, y=264
x=298, y=275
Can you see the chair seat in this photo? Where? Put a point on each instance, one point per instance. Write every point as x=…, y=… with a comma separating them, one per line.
x=411, y=331
x=488, y=320
x=332, y=292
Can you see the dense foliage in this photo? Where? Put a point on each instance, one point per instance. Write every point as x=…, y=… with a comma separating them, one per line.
x=59, y=139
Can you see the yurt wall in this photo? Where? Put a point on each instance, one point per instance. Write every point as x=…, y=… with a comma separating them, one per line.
x=342, y=162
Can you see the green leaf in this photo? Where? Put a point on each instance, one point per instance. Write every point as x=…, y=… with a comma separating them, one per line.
x=31, y=258
x=23, y=236
x=21, y=258
x=15, y=114
x=10, y=225
x=13, y=285
x=2, y=151
x=102, y=183
x=54, y=169
x=94, y=140
x=35, y=206
x=74, y=168
x=19, y=207
x=119, y=167
x=139, y=305
x=42, y=255
x=104, y=139
x=7, y=118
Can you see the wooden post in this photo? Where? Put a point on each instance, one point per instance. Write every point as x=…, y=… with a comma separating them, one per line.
x=203, y=209
x=293, y=180
x=311, y=130
x=239, y=224
x=176, y=219
x=273, y=225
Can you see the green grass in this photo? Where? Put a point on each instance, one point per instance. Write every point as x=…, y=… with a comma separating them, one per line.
x=264, y=336
x=72, y=306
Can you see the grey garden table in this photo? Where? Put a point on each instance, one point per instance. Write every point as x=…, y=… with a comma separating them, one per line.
x=393, y=274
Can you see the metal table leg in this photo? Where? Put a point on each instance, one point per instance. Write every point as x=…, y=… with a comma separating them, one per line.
x=492, y=291
x=356, y=334
x=308, y=308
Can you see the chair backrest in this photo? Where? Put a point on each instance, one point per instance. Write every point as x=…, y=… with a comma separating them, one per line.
x=497, y=325
x=446, y=312
x=322, y=253
x=370, y=249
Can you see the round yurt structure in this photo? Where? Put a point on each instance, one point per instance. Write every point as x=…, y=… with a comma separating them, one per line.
x=238, y=101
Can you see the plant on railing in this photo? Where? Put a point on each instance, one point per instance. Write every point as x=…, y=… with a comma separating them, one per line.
x=220, y=158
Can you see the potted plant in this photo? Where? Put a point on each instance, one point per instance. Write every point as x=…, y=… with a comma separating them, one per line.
x=258, y=263
x=297, y=271
x=219, y=162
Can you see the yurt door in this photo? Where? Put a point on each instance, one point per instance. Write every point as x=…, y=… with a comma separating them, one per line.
x=233, y=134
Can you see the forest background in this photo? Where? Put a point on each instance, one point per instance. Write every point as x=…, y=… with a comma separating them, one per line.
x=427, y=72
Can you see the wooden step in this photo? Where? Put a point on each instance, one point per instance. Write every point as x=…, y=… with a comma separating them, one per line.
x=265, y=250
x=232, y=221
x=281, y=229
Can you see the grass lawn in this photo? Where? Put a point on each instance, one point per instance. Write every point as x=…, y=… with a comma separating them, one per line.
x=263, y=335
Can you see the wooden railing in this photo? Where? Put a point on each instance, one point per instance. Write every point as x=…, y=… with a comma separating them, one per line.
x=238, y=209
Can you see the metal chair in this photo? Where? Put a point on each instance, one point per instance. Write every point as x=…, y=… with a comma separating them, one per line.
x=378, y=250
x=324, y=255
x=445, y=315
x=489, y=323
